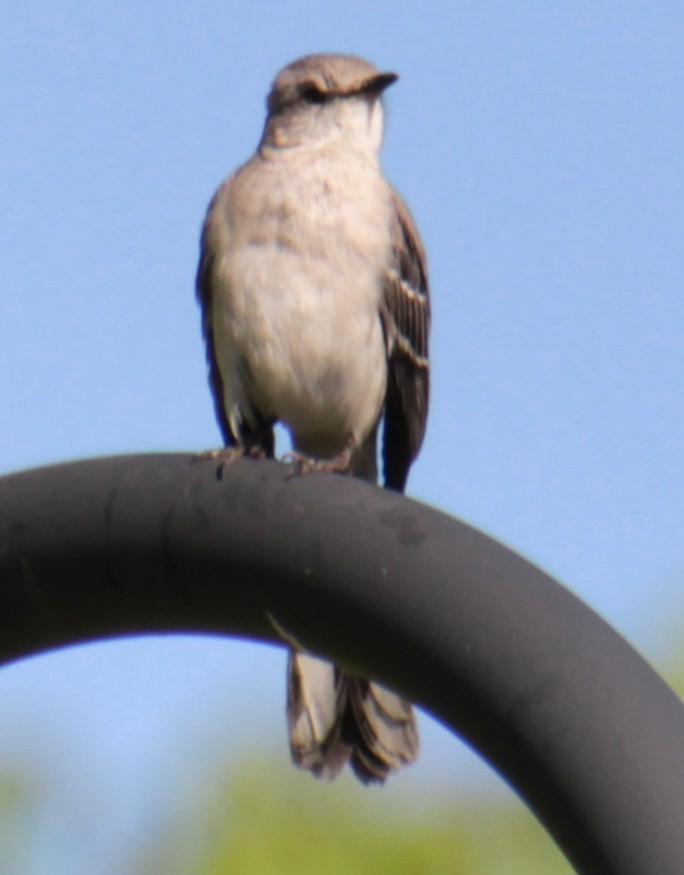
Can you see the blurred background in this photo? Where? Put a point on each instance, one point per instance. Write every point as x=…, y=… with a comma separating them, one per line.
x=540, y=148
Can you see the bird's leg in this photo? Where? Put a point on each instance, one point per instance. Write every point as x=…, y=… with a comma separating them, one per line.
x=303, y=464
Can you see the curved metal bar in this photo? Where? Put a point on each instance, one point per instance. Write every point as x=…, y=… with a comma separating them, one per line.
x=557, y=702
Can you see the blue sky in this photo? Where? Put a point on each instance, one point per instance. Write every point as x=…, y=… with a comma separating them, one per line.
x=540, y=148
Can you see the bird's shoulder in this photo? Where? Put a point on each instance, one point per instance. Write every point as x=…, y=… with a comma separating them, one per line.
x=410, y=260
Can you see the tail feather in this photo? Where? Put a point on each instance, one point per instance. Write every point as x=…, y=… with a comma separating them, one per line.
x=316, y=693
x=334, y=719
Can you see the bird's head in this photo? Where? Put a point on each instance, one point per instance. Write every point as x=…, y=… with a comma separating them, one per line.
x=324, y=98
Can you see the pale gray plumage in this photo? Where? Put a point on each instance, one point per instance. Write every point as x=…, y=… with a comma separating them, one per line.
x=315, y=308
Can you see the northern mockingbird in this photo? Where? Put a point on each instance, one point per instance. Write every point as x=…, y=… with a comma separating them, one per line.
x=314, y=293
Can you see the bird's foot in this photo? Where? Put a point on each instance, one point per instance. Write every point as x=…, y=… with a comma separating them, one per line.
x=226, y=456
x=301, y=464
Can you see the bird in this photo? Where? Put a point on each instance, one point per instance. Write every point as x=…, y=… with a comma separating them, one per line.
x=313, y=288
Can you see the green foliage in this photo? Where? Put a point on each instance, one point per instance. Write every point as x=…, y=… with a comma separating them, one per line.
x=273, y=821
x=18, y=805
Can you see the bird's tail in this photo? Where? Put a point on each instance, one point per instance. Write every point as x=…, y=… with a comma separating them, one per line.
x=335, y=718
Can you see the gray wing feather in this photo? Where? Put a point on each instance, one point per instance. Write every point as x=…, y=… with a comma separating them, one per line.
x=210, y=244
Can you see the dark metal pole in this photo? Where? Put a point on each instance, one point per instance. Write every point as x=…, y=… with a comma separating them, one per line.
x=557, y=702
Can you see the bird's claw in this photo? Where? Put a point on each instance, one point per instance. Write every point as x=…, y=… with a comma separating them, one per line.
x=226, y=456
x=301, y=464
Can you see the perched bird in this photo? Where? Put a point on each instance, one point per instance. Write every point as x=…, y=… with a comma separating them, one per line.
x=313, y=287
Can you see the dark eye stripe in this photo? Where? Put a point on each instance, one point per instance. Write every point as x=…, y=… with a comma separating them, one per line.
x=311, y=94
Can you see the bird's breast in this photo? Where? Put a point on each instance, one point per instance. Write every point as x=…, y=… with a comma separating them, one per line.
x=297, y=314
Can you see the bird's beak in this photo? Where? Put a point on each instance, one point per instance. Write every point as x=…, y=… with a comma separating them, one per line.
x=377, y=84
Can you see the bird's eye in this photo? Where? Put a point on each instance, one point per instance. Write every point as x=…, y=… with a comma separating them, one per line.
x=312, y=94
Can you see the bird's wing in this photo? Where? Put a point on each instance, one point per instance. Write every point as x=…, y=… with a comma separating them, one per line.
x=211, y=246
x=406, y=317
